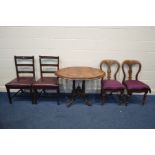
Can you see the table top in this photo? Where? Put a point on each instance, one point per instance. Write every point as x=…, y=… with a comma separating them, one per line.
x=80, y=73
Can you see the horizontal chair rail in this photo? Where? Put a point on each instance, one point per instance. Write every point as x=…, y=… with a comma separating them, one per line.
x=25, y=65
x=50, y=57
x=55, y=65
x=24, y=57
x=48, y=71
x=25, y=71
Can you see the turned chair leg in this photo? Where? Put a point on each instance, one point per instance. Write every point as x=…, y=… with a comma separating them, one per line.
x=122, y=97
x=128, y=95
x=103, y=95
x=9, y=95
x=126, y=99
x=144, y=98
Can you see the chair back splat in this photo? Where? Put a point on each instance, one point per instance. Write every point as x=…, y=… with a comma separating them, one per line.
x=130, y=64
x=48, y=65
x=24, y=65
x=109, y=63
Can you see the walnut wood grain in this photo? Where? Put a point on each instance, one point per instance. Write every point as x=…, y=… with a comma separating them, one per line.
x=80, y=73
x=130, y=64
x=109, y=63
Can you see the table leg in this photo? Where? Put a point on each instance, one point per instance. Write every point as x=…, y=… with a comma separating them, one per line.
x=72, y=98
x=84, y=94
x=78, y=92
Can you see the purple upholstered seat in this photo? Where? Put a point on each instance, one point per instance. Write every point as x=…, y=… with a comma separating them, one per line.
x=135, y=85
x=112, y=85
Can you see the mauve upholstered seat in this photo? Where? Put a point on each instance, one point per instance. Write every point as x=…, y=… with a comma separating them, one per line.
x=46, y=82
x=135, y=85
x=112, y=85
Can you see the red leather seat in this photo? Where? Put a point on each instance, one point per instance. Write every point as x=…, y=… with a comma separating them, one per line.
x=21, y=82
x=48, y=82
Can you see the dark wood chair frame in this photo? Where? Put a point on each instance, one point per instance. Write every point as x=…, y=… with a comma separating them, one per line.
x=109, y=63
x=42, y=72
x=130, y=64
x=18, y=72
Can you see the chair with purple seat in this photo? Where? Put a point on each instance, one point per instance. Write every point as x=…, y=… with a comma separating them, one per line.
x=25, y=72
x=134, y=86
x=111, y=85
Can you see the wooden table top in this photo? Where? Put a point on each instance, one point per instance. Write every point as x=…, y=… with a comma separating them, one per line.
x=80, y=73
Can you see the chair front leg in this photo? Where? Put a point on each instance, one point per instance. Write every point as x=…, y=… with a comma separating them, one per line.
x=32, y=95
x=58, y=96
x=35, y=95
x=103, y=95
x=9, y=95
x=144, y=97
x=122, y=96
x=129, y=93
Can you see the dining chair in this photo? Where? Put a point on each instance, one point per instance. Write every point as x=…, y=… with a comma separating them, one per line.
x=134, y=85
x=25, y=76
x=48, y=81
x=111, y=84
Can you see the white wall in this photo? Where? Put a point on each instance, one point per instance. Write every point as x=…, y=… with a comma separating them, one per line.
x=78, y=46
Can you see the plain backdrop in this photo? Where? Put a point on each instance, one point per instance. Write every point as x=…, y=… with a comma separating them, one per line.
x=78, y=46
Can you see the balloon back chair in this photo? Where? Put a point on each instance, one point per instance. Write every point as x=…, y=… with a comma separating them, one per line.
x=25, y=76
x=48, y=81
x=111, y=85
x=133, y=85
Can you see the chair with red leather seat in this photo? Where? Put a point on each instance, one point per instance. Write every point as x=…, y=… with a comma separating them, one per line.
x=134, y=86
x=111, y=85
x=25, y=72
x=48, y=65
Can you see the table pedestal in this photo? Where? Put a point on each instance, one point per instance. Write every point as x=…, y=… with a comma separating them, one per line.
x=78, y=92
